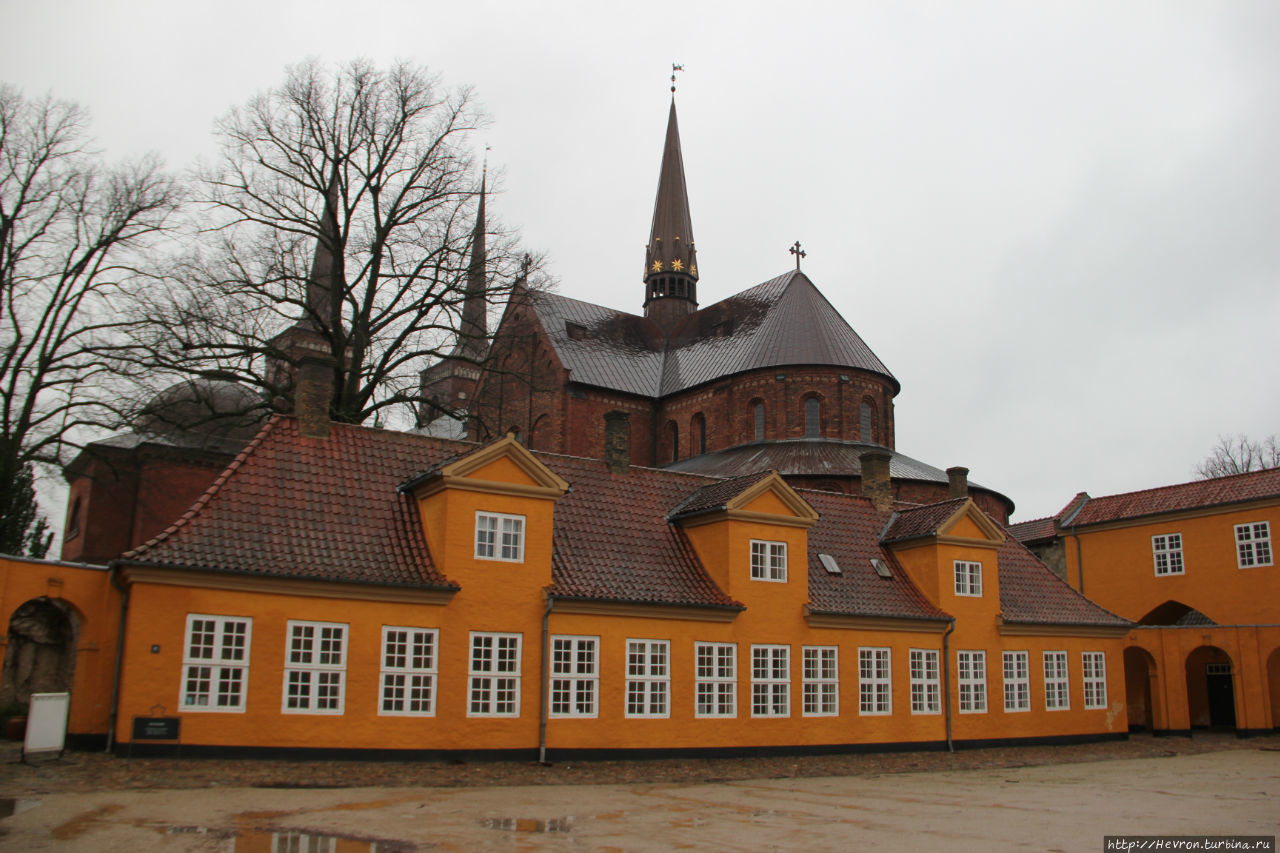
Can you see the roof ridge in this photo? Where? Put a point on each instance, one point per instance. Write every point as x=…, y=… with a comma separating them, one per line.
x=209, y=493
x=1190, y=483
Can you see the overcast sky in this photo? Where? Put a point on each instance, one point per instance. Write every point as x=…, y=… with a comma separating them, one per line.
x=1058, y=224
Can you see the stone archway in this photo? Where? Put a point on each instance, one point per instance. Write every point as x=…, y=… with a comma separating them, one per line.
x=1140, y=671
x=1211, y=700
x=41, y=653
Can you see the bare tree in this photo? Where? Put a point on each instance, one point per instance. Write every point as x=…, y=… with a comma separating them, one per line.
x=1239, y=454
x=74, y=240
x=343, y=202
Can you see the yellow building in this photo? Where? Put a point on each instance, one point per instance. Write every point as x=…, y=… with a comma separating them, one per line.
x=1193, y=564
x=361, y=591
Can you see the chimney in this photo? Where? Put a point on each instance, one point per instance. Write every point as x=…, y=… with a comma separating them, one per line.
x=959, y=477
x=313, y=394
x=875, y=478
x=617, y=441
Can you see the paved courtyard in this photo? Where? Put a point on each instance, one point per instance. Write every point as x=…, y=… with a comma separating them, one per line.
x=1055, y=806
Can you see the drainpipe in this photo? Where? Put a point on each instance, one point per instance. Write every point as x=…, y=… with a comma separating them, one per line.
x=542, y=691
x=1079, y=559
x=115, y=679
x=946, y=679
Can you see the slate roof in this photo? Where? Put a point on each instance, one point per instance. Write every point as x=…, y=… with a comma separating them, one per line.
x=1198, y=494
x=849, y=530
x=289, y=506
x=784, y=321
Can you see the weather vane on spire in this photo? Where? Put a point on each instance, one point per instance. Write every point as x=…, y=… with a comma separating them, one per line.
x=674, y=69
x=798, y=252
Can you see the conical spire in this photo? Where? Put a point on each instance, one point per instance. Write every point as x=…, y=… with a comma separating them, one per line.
x=326, y=282
x=473, y=332
x=671, y=261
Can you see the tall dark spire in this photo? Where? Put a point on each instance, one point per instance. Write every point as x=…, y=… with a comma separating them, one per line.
x=670, y=259
x=473, y=332
x=328, y=272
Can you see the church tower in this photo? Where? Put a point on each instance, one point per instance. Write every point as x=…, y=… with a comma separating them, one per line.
x=671, y=259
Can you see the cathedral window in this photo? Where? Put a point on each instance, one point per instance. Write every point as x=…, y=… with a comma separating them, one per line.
x=698, y=427
x=812, y=417
x=673, y=437
x=759, y=420
x=865, y=422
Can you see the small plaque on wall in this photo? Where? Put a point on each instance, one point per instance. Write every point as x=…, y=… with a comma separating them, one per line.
x=156, y=728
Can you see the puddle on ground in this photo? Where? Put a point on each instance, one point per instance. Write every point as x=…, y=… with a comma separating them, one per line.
x=301, y=840
x=528, y=824
x=11, y=806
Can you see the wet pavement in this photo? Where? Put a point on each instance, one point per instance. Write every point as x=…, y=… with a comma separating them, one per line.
x=1065, y=807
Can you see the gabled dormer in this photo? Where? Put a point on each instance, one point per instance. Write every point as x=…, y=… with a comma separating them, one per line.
x=949, y=549
x=751, y=535
x=489, y=516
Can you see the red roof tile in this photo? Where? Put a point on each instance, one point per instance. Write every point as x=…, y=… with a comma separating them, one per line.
x=1034, y=530
x=1032, y=594
x=716, y=495
x=921, y=520
x=290, y=506
x=1194, y=495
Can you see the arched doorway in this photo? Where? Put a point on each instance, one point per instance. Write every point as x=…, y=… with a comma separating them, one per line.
x=41, y=654
x=1211, y=700
x=1139, y=672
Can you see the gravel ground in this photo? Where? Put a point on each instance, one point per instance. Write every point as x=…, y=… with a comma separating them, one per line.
x=78, y=772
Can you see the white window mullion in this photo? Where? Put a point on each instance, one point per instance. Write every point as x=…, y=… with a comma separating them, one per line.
x=315, y=668
x=215, y=663
x=716, y=677
x=408, y=671
x=926, y=695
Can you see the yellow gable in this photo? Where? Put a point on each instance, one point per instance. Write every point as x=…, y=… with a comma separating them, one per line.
x=965, y=528
x=502, y=470
x=769, y=503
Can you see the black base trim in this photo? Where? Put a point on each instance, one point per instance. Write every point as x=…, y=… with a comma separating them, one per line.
x=1254, y=732
x=1135, y=728
x=86, y=742
x=151, y=749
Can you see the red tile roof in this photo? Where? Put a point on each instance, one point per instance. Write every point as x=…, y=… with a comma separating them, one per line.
x=1034, y=530
x=330, y=510
x=1194, y=495
x=849, y=530
x=307, y=508
x=921, y=520
x=716, y=495
x=1032, y=594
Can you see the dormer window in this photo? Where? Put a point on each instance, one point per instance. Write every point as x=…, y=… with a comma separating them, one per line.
x=768, y=561
x=499, y=537
x=968, y=578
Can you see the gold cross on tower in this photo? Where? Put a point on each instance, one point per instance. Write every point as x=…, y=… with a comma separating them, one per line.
x=798, y=252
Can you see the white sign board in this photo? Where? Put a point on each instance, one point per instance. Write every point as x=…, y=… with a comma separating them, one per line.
x=46, y=723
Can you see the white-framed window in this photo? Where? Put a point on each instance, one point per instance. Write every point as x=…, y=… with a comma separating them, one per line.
x=971, y=681
x=315, y=668
x=215, y=663
x=821, y=687
x=494, y=675
x=716, y=679
x=648, y=678
x=1166, y=550
x=770, y=681
x=1094, y=677
x=575, y=676
x=968, y=578
x=875, y=691
x=303, y=842
x=1017, y=682
x=925, y=695
x=1057, y=696
x=408, y=671
x=499, y=537
x=1253, y=544
x=768, y=560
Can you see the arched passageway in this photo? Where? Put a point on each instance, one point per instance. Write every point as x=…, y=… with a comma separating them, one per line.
x=1211, y=699
x=1140, y=695
x=41, y=653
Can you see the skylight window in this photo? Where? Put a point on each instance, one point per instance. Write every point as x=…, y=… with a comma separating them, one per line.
x=829, y=563
x=881, y=567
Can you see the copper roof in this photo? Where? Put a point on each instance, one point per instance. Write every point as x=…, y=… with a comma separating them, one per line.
x=671, y=245
x=1194, y=495
x=783, y=322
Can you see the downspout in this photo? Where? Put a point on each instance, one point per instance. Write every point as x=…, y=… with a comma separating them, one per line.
x=115, y=679
x=542, y=687
x=946, y=678
x=1079, y=559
